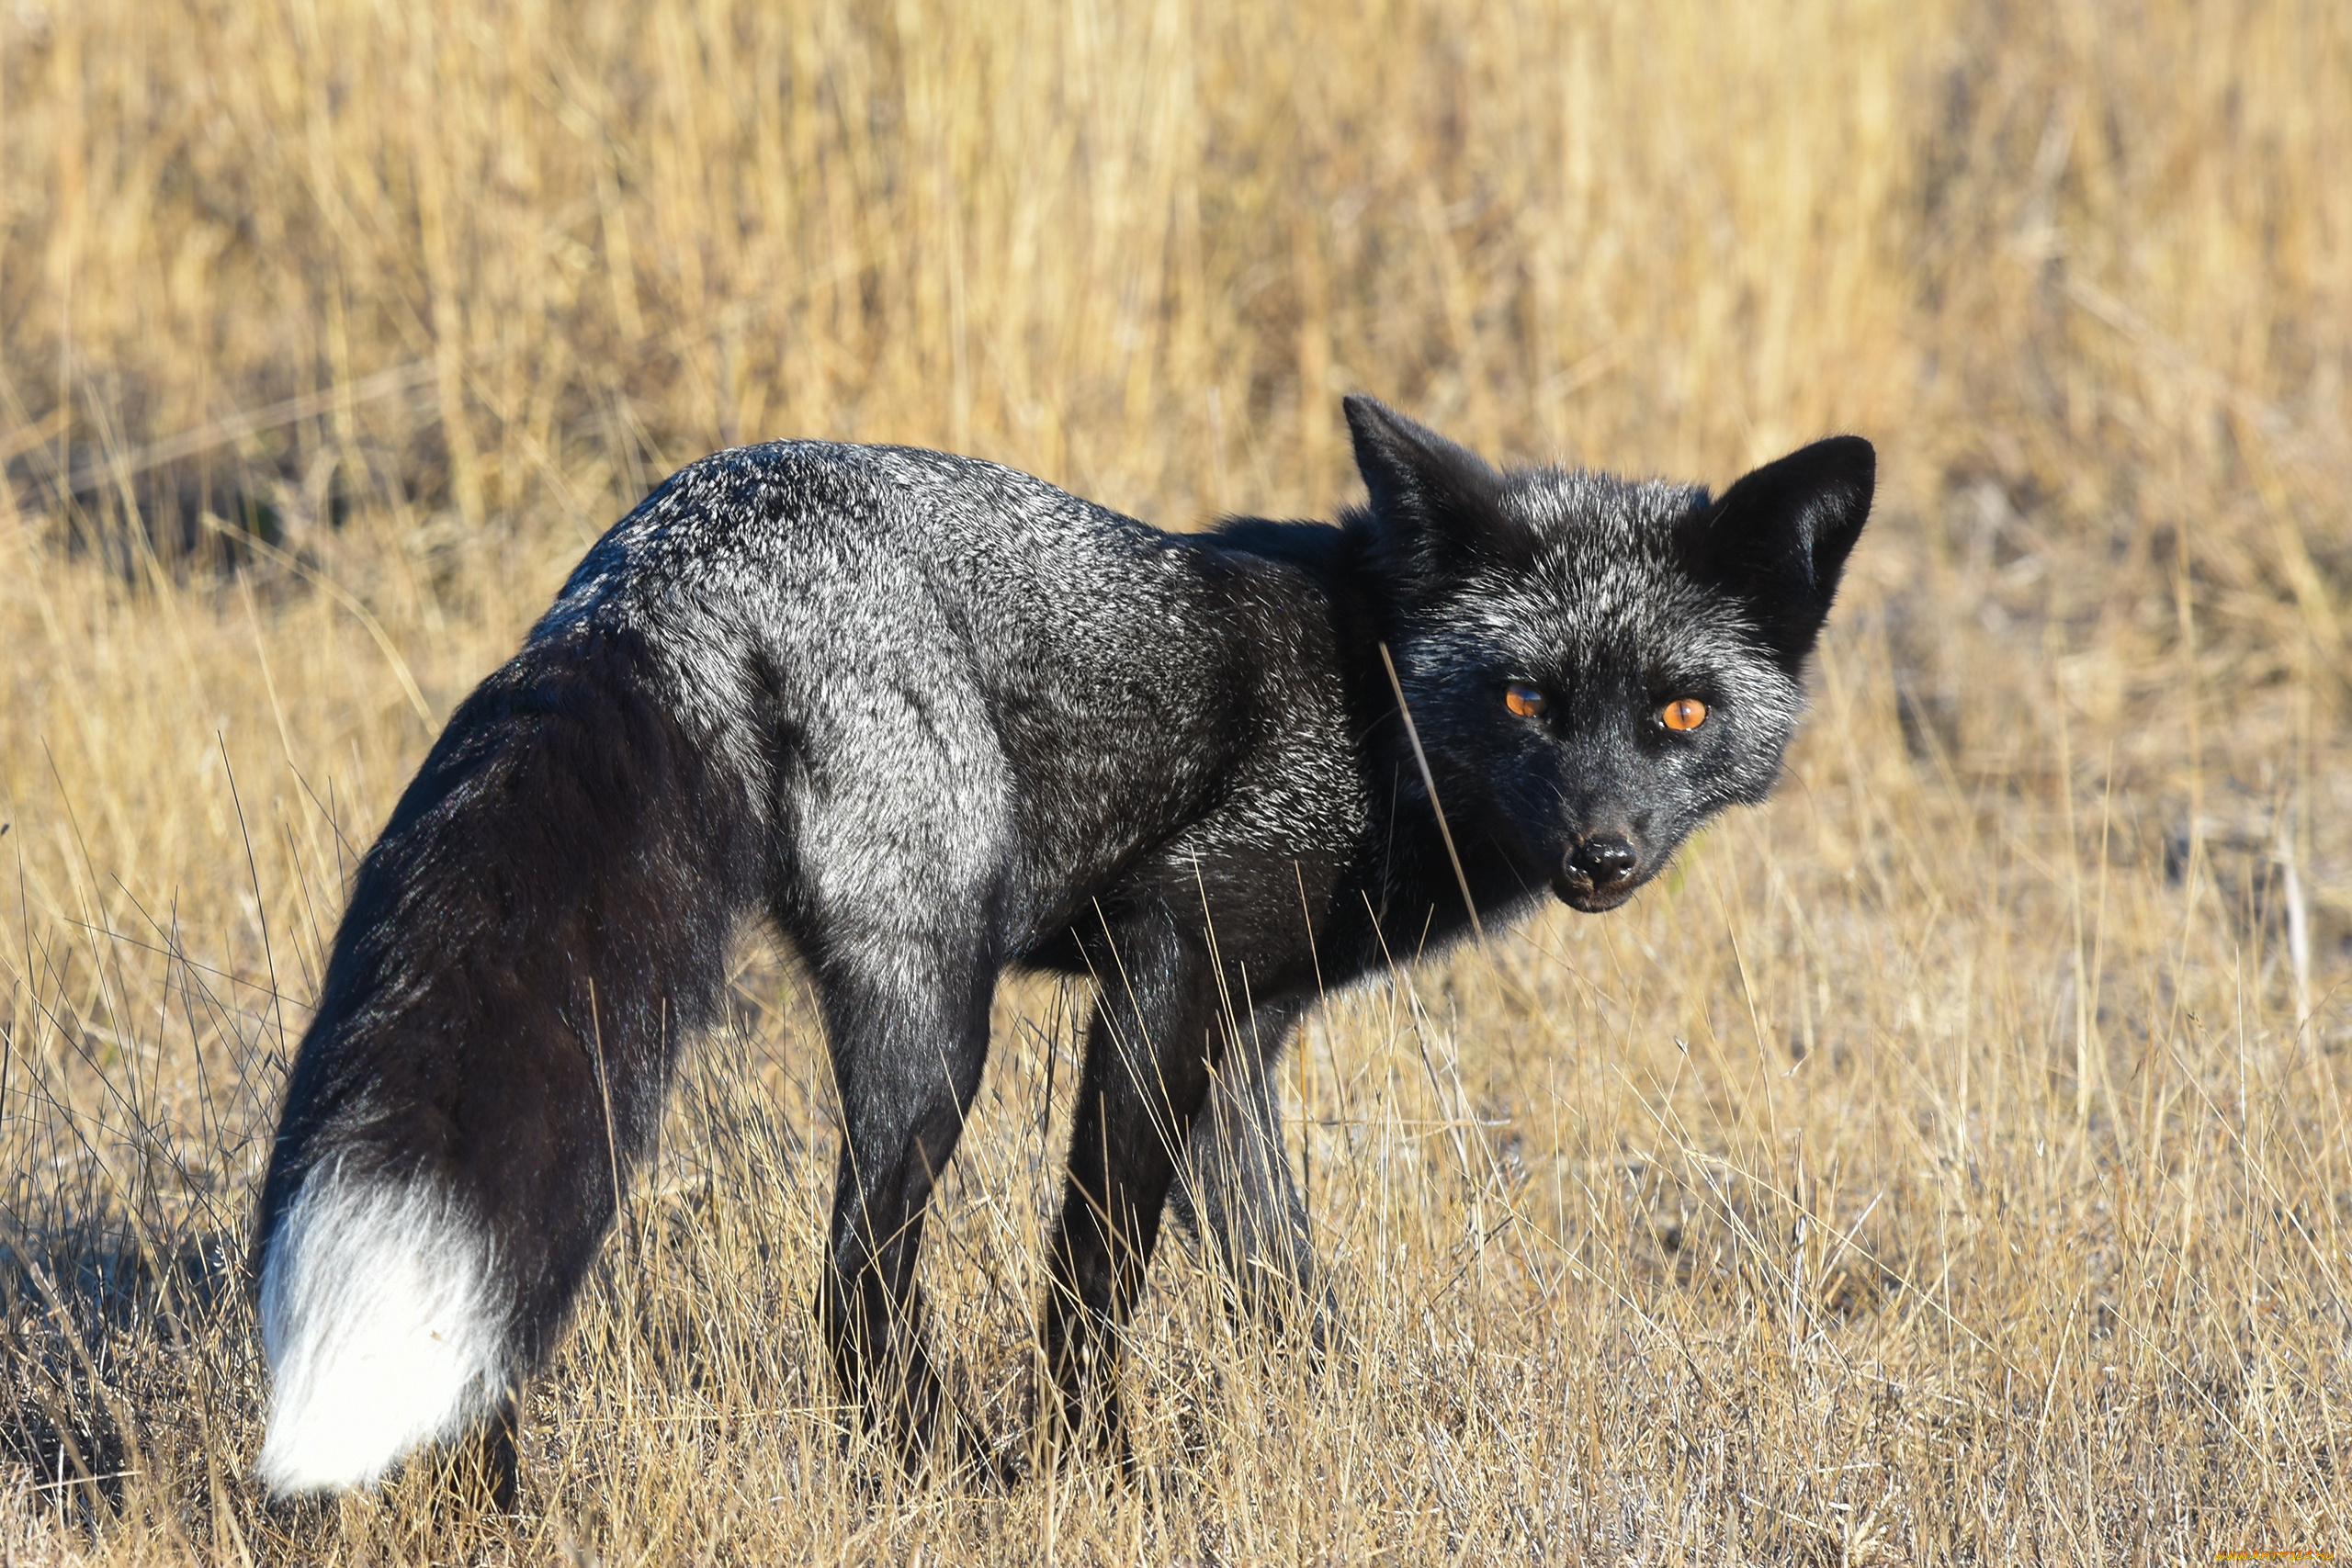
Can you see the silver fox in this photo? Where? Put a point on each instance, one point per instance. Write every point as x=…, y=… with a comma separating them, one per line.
x=932, y=718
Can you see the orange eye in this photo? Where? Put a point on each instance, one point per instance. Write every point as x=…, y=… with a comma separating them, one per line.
x=1683, y=713
x=1524, y=700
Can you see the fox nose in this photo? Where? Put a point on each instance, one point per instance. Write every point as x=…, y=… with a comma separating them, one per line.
x=1603, y=862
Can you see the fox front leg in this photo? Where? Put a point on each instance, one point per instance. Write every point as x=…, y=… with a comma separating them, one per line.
x=1236, y=1194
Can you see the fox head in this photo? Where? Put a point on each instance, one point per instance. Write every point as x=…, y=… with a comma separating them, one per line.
x=1594, y=667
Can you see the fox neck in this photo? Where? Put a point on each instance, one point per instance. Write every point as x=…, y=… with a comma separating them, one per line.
x=1424, y=873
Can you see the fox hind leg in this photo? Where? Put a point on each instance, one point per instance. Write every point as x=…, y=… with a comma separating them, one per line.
x=909, y=1039
x=1149, y=1051
x=481, y=1471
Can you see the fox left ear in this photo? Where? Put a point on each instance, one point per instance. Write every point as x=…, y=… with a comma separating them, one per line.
x=1436, y=502
x=1779, y=537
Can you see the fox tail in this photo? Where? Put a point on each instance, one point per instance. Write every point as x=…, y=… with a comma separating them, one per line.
x=544, y=918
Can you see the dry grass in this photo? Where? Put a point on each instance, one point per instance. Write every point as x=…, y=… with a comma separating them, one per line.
x=1950, y=1164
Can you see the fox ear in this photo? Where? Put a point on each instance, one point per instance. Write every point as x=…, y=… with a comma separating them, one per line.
x=1779, y=537
x=1435, y=500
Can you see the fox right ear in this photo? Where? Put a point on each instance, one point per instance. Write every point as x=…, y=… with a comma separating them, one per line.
x=1779, y=537
x=1434, y=499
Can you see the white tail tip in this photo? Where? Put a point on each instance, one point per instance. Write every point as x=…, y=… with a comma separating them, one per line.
x=382, y=1329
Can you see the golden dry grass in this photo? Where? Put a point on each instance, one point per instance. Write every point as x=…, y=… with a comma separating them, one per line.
x=1949, y=1163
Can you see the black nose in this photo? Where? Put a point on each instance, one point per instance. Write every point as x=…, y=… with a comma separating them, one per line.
x=1603, y=862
